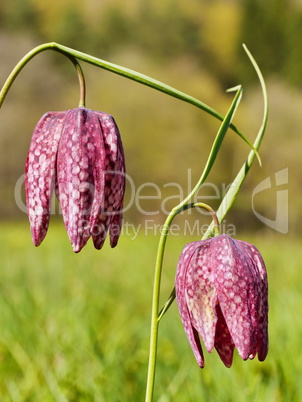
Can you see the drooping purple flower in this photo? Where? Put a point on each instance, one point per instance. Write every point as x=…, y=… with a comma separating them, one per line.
x=78, y=153
x=222, y=295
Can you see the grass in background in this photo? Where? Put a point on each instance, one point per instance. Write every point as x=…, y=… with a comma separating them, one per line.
x=76, y=327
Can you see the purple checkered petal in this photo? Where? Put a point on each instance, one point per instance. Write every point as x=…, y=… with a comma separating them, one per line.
x=238, y=292
x=259, y=300
x=223, y=341
x=221, y=290
x=192, y=335
x=80, y=177
x=200, y=293
x=110, y=210
x=79, y=153
x=40, y=172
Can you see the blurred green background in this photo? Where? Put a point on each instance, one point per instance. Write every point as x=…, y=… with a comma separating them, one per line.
x=75, y=327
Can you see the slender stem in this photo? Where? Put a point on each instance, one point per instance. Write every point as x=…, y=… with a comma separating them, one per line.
x=216, y=233
x=155, y=307
x=22, y=63
x=17, y=69
x=207, y=208
x=81, y=82
x=221, y=213
x=116, y=69
x=234, y=188
x=150, y=82
x=162, y=243
x=216, y=145
x=213, y=215
x=136, y=76
x=167, y=305
x=155, y=316
x=81, y=79
x=237, y=183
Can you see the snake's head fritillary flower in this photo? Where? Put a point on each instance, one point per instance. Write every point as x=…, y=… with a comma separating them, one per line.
x=79, y=154
x=222, y=295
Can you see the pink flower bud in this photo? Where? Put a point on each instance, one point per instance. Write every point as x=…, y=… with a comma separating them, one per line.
x=78, y=153
x=222, y=295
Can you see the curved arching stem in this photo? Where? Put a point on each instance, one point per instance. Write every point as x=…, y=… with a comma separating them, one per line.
x=225, y=205
x=163, y=238
x=116, y=69
x=82, y=83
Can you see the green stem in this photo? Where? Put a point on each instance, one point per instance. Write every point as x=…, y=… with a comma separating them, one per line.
x=81, y=80
x=155, y=316
x=114, y=68
x=216, y=233
x=213, y=215
x=150, y=82
x=216, y=145
x=155, y=308
x=221, y=213
x=167, y=305
x=231, y=194
x=204, y=206
x=162, y=243
x=82, y=84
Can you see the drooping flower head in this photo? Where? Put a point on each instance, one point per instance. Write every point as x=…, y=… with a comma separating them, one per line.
x=222, y=295
x=78, y=153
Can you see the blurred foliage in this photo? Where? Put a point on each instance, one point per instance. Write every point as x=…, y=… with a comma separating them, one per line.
x=275, y=28
x=194, y=46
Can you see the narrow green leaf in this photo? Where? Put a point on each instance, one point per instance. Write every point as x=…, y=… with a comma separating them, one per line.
x=231, y=194
x=215, y=147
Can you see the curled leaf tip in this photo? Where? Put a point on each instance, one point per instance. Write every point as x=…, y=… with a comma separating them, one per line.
x=234, y=89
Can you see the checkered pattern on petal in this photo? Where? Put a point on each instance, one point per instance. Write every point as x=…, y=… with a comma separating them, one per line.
x=40, y=172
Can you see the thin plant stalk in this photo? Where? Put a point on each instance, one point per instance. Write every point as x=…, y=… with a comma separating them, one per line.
x=225, y=205
x=116, y=69
x=163, y=238
x=216, y=232
x=81, y=79
x=234, y=188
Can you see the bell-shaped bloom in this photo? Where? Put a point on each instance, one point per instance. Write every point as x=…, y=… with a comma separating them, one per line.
x=222, y=295
x=79, y=154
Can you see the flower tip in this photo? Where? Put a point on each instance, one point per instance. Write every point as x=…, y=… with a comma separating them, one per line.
x=36, y=240
x=227, y=364
x=76, y=248
x=98, y=241
x=38, y=236
x=201, y=363
x=262, y=355
x=77, y=244
x=113, y=242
